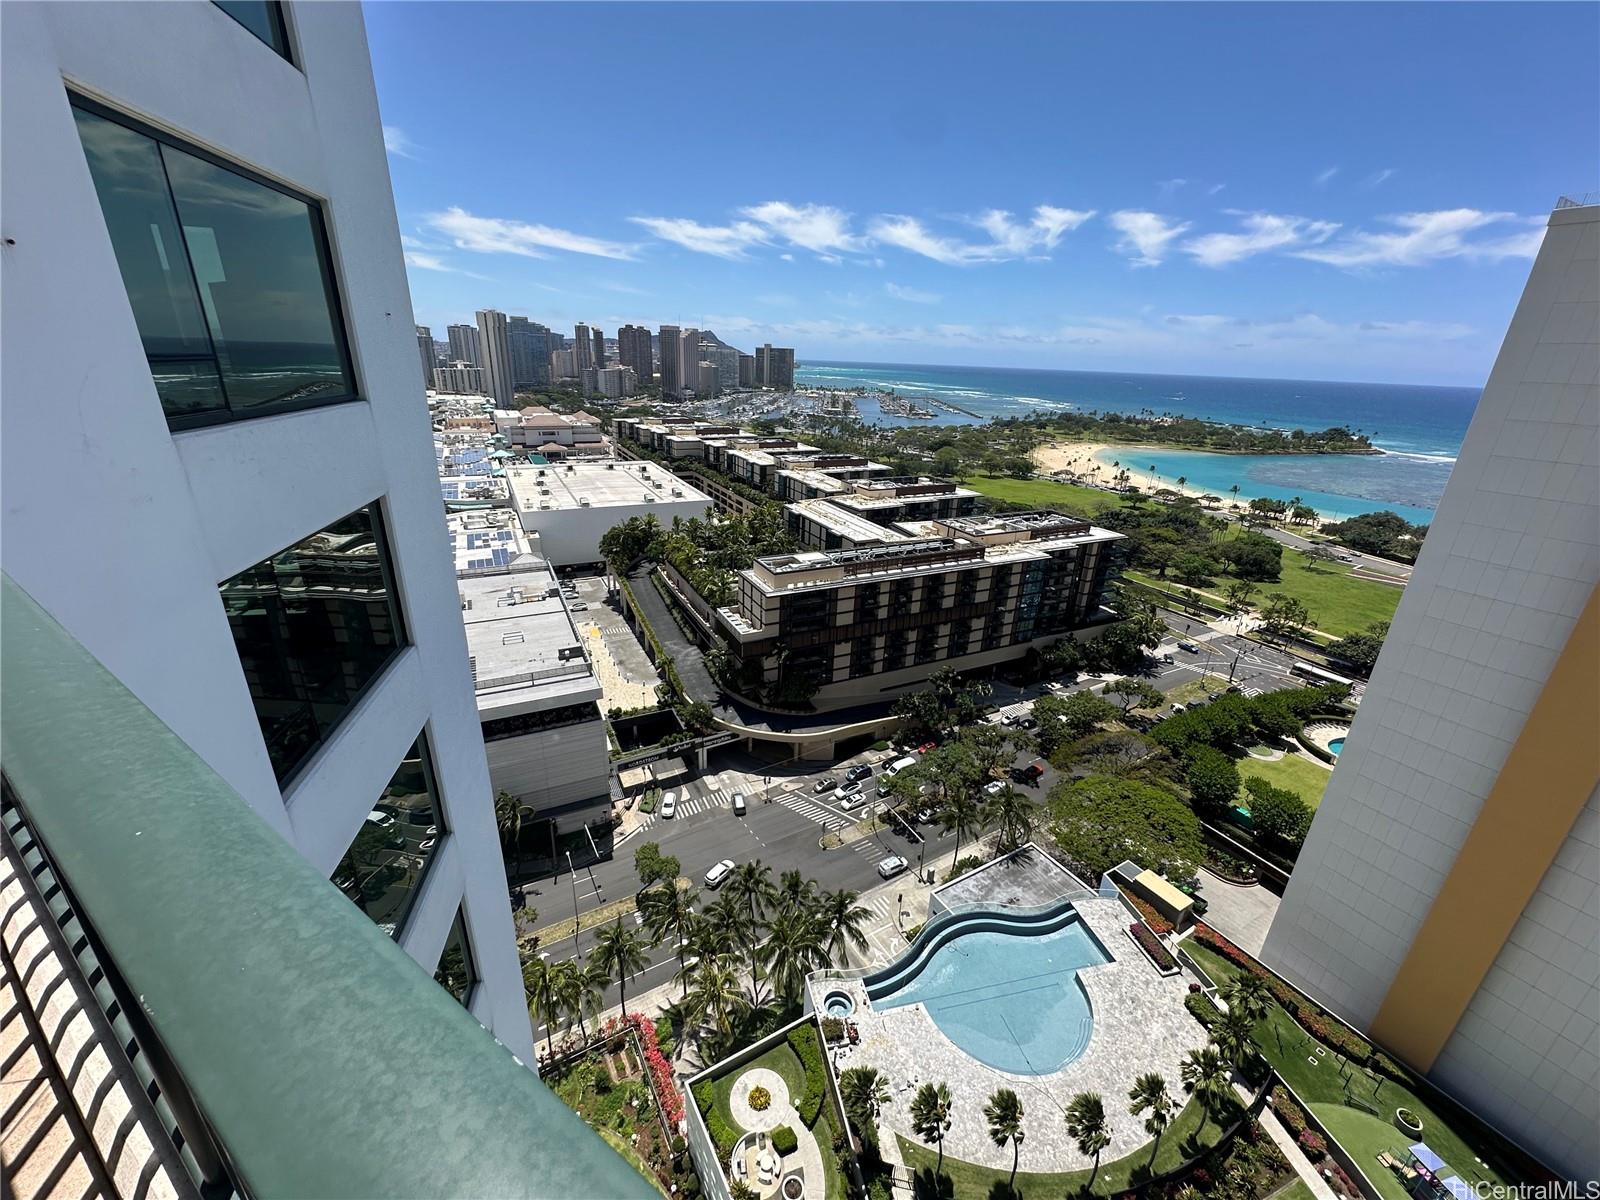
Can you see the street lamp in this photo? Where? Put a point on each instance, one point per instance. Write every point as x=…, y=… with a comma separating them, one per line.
x=574, y=876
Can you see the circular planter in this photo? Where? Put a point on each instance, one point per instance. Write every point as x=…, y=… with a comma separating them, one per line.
x=1408, y=1121
x=760, y=1098
x=794, y=1188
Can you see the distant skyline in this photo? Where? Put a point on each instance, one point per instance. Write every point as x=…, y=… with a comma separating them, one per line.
x=1323, y=192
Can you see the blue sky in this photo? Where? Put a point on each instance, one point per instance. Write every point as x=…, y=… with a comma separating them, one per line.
x=1329, y=192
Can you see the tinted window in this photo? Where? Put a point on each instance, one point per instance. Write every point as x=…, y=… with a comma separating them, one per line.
x=457, y=973
x=227, y=276
x=262, y=18
x=314, y=625
x=395, y=845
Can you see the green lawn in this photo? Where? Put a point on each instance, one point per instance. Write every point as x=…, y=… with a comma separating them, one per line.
x=1301, y=776
x=968, y=1181
x=1044, y=493
x=1298, y=1190
x=782, y=1059
x=1319, y=1081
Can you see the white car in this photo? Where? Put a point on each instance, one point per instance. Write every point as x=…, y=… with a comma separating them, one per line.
x=892, y=866
x=847, y=789
x=739, y=807
x=994, y=787
x=718, y=874
x=853, y=801
x=669, y=806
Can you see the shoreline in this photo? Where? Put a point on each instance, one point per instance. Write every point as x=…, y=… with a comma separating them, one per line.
x=1083, y=458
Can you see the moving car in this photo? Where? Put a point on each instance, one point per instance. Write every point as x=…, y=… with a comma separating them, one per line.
x=858, y=772
x=892, y=866
x=579, y=606
x=898, y=765
x=1190, y=647
x=850, y=787
x=669, y=806
x=718, y=874
x=739, y=806
x=825, y=784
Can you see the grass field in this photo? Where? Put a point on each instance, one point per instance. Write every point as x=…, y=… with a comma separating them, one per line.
x=968, y=1181
x=1304, y=778
x=1042, y=493
x=1320, y=1082
x=1298, y=1190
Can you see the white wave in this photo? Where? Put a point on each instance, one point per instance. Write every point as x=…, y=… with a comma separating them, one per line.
x=1434, y=458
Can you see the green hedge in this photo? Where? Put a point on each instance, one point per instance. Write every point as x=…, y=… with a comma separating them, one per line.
x=1200, y=1004
x=803, y=1041
x=722, y=1134
x=784, y=1140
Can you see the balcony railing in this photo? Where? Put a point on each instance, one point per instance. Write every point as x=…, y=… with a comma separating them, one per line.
x=319, y=1058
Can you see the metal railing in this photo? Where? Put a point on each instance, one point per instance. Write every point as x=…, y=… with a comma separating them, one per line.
x=1578, y=200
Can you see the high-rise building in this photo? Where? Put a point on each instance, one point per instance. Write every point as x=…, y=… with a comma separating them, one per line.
x=531, y=345
x=775, y=367
x=633, y=350
x=706, y=379
x=583, y=347
x=688, y=357
x=599, y=348
x=726, y=359
x=459, y=379
x=671, y=378
x=1447, y=898
x=239, y=725
x=464, y=344
x=494, y=345
x=427, y=353
x=564, y=365
x=747, y=371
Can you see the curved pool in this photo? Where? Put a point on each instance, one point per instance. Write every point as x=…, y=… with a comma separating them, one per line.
x=1002, y=987
x=1335, y=746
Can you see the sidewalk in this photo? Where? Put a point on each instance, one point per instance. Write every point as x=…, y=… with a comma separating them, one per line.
x=1268, y=1121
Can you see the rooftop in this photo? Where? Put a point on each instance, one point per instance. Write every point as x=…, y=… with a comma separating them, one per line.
x=846, y=524
x=597, y=485
x=483, y=539
x=522, y=641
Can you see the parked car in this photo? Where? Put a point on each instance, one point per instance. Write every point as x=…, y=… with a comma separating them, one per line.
x=994, y=787
x=885, y=786
x=580, y=606
x=1167, y=658
x=853, y=801
x=825, y=784
x=898, y=765
x=1027, y=722
x=669, y=806
x=850, y=787
x=1180, y=707
x=859, y=771
x=1033, y=772
x=926, y=746
x=739, y=806
x=718, y=874
x=892, y=866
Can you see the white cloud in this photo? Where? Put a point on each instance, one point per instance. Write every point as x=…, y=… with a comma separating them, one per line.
x=816, y=227
x=1325, y=177
x=914, y=295
x=395, y=141
x=1168, y=186
x=1009, y=238
x=1427, y=237
x=1215, y=188
x=428, y=262
x=1378, y=178
x=724, y=241
x=1145, y=235
x=495, y=235
x=1262, y=232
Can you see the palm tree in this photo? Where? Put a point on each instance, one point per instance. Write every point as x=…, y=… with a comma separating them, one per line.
x=930, y=1118
x=620, y=952
x=508, y=813
x=1247, y=993
x=717, y=994
x=864, y=1092
x=795, y=891
x=1206, y=1076
x=544, y=1003
x=577, y=992
x=1150, y=1092
x=1012, y=814
x=795, y=948
x=1182, y=479
x=668, y=911
x=961, y=813
x=1086, y=1124
x=1231, y=1035
x=842, y=920
x=751, y=883
x=1235, y=490
x=1004, y=1115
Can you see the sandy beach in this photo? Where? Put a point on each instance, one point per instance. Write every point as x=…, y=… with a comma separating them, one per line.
x=1093, y=462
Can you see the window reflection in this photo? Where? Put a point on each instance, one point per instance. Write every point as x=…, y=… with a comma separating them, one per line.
x=227, y=278
x=264, y=18
x=392, y=850
x=457, y=973
x=314, y=625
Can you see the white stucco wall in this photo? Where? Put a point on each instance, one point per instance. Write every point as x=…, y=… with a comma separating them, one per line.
x=572, y=535
x=1511, y=559
x=123, y=530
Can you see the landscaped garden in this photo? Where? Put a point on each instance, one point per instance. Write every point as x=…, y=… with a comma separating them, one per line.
x=1301, y=776
x=1354, y=1091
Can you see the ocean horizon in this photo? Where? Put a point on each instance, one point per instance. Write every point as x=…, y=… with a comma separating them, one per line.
x=1418, y=427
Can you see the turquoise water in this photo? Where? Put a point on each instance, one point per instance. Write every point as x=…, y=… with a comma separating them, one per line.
x=1336, y=746
x=1419, y=428
x=1009, y=999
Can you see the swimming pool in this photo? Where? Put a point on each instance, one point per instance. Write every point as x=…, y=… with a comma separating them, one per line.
x=1335, y=746
x=1003, y=988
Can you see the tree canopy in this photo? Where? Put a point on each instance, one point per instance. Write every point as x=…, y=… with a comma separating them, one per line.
x=1099, y=821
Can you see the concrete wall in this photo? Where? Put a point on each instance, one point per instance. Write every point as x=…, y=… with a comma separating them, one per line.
x=570, y=535
x=87, y=453
x=554, y=766
x=1511, y=559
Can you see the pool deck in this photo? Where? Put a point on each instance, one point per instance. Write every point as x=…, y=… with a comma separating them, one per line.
x=1025, y=878
x=1140, y=1025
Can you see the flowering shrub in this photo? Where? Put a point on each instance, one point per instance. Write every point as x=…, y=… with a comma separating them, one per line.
x=1152, y=946
x=1290, y=1113
x=1313, y=1144
x=1152, y=918
x=760, y=1098
x=1194, y=989
x=656, y=1064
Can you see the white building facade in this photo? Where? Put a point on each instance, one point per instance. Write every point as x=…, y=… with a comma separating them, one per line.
x=272, y=578
x=1447, y=898
x=572, y=505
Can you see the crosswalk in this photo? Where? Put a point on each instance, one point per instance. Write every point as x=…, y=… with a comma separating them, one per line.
x=1252, y=691
x=688, y=806
x=812, y=811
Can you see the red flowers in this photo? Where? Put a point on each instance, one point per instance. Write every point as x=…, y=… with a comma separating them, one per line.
x=1152, y=946
x=656, y=1063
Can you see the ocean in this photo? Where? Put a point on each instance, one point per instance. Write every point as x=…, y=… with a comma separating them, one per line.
x=1420, y=429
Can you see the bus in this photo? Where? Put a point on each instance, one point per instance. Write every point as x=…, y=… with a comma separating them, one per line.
x=1318, y=675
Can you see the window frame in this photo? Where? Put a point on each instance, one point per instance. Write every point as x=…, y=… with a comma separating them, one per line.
x=181, y=423
x=280, y=25
x=469, y=953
